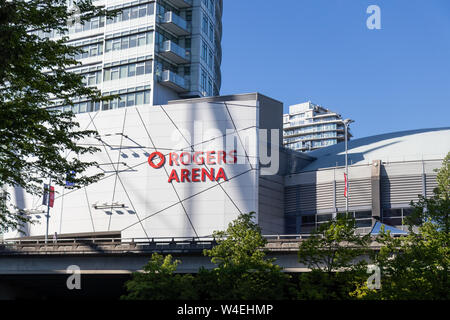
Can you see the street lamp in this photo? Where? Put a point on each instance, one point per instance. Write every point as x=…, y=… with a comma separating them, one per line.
x=346, y=122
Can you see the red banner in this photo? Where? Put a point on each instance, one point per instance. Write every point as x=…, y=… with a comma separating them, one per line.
x=346, y=186
x=52, y=197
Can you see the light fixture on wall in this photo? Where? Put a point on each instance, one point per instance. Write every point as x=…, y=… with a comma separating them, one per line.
x=106, y=205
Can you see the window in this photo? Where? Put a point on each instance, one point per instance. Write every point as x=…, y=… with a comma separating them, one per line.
x=140, y=68
x=131, y=70
x=116, y=44
x=142, y=11
x=130, y=99
x=133, y=41
x=211, y=7
x=204, y=51
x=203, y=82
x=210, y=60
x=83, y=107
x=122, y=100
x=123, y=72
x=211, y=32
x=107, y=75
x=148, y=67
x=124, y=43
x=139, y=98
x=205, y=25
x=134, y=13
x=114, y=73
x=126, y=14
x=146, y=97
x=141, y=39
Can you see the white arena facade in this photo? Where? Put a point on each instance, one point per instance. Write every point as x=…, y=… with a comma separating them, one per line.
x=190, y=167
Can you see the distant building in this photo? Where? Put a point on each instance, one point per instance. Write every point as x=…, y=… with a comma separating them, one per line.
x=309, y=127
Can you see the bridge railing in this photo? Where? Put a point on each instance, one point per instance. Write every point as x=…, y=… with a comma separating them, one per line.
x=150, y=240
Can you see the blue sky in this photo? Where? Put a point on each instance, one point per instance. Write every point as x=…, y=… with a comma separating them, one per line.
x=393, y=79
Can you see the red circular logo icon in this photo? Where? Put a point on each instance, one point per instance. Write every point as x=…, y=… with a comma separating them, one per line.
x=160, y=156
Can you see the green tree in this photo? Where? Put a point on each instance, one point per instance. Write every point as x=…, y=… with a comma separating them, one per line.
x=242, y=270
x=33, y=76
x=158, y=282
x=334, y=253
x=416, y=266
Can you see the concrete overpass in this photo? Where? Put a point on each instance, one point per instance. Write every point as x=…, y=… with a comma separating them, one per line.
x=32, y=266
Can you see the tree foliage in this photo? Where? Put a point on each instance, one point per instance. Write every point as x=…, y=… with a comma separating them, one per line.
x=243, y=271
x=334, y=254
x=416, y=266
x=158, y=281
x=334, y=246
x=33, y=75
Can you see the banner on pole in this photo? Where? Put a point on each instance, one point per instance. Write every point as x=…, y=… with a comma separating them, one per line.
x=346, y=186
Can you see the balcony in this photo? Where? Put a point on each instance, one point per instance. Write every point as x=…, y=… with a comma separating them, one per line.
x=174, y=81
x=181, y=4
x=173, y=52
x=174, y=24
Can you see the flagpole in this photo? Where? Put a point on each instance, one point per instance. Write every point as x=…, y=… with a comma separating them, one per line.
x=48, y=210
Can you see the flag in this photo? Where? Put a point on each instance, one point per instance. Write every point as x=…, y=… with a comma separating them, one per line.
x=46, y=195
x=49, y=195
x=52, y=197
x=346, y=186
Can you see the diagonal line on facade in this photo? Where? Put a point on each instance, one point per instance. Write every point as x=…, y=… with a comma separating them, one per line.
x=192, y=149
x=167, y=173
x=190, y=197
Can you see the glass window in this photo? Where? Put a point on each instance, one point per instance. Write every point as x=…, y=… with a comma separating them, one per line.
x=123, y=72
x=91, y=79
x=124, y=43
x=94, y=23
x=149, y=37
x=149, y=9
x=139, y=98
x=363, y=214
x=87, y=26
x=93, y=50
x=126, y=14
x=114, y=103
x=130, y=99
x=131, y=70
x=140, y=68
x=83, y=107
x=114, y=73
x=76, y=108
x=363, y=223
x=85, y=53
x=133, y=41
x=148, y=67
x=108, y=45
x=141, y=39
x=122, y=101
x=134, y=13
x=116, y=44
x=107, y=75
x=147, y=97
x=142, y=11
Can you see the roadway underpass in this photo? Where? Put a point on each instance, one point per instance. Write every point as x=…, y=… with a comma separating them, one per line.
x=35, y=269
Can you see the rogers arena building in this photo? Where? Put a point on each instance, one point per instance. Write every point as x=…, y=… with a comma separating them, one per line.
x=190, y=167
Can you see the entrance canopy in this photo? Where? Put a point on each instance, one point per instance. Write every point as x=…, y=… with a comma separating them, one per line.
x=394, y=231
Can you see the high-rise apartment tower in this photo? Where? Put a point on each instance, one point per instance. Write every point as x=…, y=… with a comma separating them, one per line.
x=309, y=127
x=153, y=51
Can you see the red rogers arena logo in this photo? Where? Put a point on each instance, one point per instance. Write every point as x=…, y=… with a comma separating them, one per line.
x=201, y=158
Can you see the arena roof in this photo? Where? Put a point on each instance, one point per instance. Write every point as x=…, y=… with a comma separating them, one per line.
x=413, y=145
